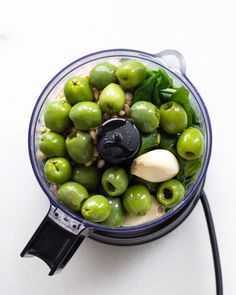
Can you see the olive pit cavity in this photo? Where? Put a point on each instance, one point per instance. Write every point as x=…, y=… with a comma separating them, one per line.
x=167, y=194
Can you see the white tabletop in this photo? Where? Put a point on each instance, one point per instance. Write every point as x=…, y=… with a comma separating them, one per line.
x=37, y=39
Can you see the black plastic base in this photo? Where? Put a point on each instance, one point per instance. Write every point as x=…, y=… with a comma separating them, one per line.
x=53, y=244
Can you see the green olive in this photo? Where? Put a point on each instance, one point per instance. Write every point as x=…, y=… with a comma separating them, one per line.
x=115, y=181
x=89, y=177
x=131, y=73
x=173, y=117
x=137, y=200
x=96, y=208
x=56, y=116
x=170, y=192
x=52, y=144
x=112, y=99
x=77, y=89
x=72, y=194
x=102, y=75
x=86, y=115
x=190, y=144
x=57, y=170
x=79, y=146
x=116, y=218
x=145, y=115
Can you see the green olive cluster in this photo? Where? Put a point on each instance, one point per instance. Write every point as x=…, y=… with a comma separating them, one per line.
x=105, y=194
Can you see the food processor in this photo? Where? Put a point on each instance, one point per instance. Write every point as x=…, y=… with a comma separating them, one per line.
x=62, y=231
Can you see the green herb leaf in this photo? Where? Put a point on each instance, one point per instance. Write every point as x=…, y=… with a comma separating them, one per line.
x=150, y=73
x=163, y=82
x=168, y=142
x=145, y=90
x=156, y=96
x=188, y=171
x=167, y=93
x=166, y=81
x=148, y=142
x=195, y=120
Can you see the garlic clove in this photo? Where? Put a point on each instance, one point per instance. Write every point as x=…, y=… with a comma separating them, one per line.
x=155, y=166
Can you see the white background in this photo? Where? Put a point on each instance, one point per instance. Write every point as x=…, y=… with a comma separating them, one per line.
x=37, y=39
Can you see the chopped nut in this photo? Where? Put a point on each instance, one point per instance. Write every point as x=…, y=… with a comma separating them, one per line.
x=89, y=163
x=127, y=109
x=92, y=134
x=114, y=116
x=128, y=96
x=129, y=102
x=100, y=163
x=40, y=155
x=61, y=95
x=121, y=113
x=96, y=93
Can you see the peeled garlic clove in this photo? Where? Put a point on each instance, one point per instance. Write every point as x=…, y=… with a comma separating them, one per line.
x=155, y=166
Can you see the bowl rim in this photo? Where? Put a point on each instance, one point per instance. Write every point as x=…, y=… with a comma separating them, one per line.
x=194, y=187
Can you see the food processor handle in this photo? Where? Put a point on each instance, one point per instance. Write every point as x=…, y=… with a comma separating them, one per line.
x=173, y=60
x=56, y=240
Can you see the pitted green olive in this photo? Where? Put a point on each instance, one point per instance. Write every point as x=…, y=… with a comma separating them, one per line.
x=77, y=89
x=86, y=115
x=79, y=146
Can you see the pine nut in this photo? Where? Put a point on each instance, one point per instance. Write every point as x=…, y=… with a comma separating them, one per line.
x=128, y=96
x=122, y=113
x=96, y=93
x=100, y=163
x=92, y=134
x=89, y=163
x=127, y=109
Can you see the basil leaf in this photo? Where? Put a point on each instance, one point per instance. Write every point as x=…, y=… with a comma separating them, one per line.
x=188, y=171
x=166, y=81
x=150, y=73
x=168, y=142
x=163, y=82
x=156, y=96
x=145, y=90
x=148, y=142
x=167, y=93
x=195, y=120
